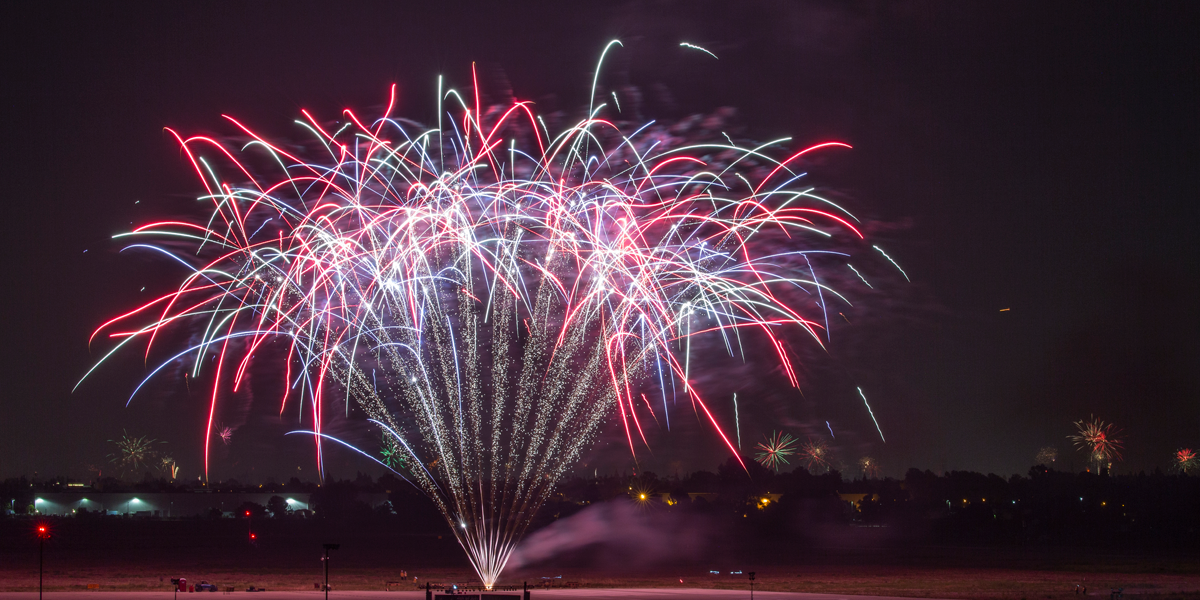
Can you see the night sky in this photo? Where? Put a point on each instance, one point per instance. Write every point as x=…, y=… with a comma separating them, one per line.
x=1040, y=157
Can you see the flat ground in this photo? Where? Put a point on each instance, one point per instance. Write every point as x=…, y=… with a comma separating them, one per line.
x=143, y=557
x=597, y=594
x=1150, y=579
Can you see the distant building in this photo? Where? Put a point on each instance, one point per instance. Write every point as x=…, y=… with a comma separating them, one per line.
x=168, y=505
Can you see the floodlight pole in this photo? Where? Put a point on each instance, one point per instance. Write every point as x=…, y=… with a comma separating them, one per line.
x=328, y=547
x=42, y=533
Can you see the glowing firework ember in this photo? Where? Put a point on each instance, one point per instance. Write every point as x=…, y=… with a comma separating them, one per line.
x=815, y=455
x=485, y=292
x=869, y=467
x=1098, y=439
x=1046, y=456
x=1185, y=460
x=775, y=450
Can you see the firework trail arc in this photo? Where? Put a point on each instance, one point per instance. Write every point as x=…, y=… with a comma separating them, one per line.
x=485, y=292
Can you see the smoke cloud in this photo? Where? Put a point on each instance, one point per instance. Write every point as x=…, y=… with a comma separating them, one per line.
x=624, y=531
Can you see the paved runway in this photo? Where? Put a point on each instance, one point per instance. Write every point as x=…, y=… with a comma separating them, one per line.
x=583, y=594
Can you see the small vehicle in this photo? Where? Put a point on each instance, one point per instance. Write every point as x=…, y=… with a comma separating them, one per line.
x=205, y=586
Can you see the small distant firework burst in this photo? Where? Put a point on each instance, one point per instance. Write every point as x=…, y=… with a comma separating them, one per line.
x=1186, y=460
x=1046, y=456
x=226, y=434
x=774, y=451
x=869, y=467
x=391, y=454
x=488, y=292
x=1099, y=440
x=167, y=465
x=134, y=453
x=814, y=453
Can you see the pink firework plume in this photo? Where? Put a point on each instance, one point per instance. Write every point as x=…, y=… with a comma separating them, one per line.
x=225, y=433
x=774, y=451
x=815, y=455
x=1185, y=460
x=1099, y=440
x=487, y=293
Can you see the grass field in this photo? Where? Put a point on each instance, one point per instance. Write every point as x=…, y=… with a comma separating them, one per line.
x=120, y=556
x=1138, y=580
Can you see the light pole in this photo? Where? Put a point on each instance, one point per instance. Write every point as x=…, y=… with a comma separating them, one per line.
x=328, y=547
x=43, y=534
x=751, y=585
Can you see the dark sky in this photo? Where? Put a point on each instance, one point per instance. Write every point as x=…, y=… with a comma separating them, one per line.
x=1043, y=157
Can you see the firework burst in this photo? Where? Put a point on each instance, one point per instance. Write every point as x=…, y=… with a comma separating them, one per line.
x=167, y=466
x=485, y=292
x=391, y=455
x=1185, y=460
x=1046, y=456
x=815, y=455
x=225, y=433
x=134, y=453
x=774, y=451
x=1099, y=440
x=869, y=467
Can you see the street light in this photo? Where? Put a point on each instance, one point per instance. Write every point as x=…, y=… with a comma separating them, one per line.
x=751, y=585
x=43, y=534
x=328, y=547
